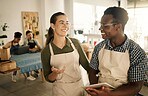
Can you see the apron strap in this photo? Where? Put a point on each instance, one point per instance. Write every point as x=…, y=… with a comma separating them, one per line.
x=71, y=43
x=51, y=50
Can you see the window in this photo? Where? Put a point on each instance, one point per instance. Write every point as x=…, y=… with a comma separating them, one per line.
x=136, y=27
x=83, y=17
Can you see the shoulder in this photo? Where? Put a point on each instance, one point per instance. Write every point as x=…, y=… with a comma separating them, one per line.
x=45, y=50
x=74, y=40
x=100, y=45
x=45, y=54
x=134, y=46
x=76, y=43
x=137, y=54
x=10, y=42
x=25, y=39
x=8, y=45
x=35, y=40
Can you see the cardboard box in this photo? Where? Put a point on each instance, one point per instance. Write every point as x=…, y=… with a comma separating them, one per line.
x=7, y=65
x=5, y=54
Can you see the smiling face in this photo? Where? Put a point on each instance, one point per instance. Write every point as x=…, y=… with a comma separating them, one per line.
x=108, y=27
x=61, y=26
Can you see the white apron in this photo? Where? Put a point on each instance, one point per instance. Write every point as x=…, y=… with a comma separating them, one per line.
x=113, y=67
x=68, y=83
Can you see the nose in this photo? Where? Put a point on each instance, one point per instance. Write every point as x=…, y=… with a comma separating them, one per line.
x=65, y=25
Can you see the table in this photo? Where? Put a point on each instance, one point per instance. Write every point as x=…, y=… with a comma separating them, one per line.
x=28, y=62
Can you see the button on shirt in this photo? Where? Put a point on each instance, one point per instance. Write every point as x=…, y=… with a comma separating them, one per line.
x=138, y=58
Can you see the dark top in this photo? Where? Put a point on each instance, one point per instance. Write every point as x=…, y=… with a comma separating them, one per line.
x=14, y=48
x=46, y=55
x=32, y=44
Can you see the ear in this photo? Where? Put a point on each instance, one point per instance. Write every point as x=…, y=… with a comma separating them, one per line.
x=119, y=27
x=52, y=26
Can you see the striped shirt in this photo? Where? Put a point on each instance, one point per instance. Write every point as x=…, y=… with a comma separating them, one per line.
x=138, y=58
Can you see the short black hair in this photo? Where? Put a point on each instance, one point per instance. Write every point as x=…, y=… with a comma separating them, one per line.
x=17, y=34
x=119, y=14
x=28, y=31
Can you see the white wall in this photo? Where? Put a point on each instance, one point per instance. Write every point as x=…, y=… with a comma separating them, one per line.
x=10, y=13
x=85, y=9
x=69, y=6
x=98, y=2
x=106, y=3
x=48, y=7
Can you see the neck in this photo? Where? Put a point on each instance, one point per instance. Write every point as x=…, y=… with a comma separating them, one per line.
x=59, y=42
x=118, y=41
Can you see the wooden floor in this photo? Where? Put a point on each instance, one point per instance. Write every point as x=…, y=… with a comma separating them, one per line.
x=31, y=88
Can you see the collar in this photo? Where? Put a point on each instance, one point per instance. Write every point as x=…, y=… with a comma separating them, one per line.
x=67, y=42
x=122, y=46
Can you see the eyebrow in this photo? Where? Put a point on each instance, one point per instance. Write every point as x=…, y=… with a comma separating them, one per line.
x=106, y=22
x=63, y=21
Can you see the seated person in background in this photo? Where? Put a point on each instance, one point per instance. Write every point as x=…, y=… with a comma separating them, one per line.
x=14, y=45
x=34, y=46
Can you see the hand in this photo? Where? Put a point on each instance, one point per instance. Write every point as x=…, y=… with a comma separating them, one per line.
x=33, y=49
x=57, y=71
x=103, y=91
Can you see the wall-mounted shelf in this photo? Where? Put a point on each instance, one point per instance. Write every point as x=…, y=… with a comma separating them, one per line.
x=93, y=38
x=3, y=36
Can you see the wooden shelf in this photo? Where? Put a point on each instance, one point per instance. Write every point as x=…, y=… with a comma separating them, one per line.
x=91, y=38
x=3, y=36
x=8, y=71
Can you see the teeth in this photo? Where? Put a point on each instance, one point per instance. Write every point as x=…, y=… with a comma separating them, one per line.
x=102, y=33
x=64, y=30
